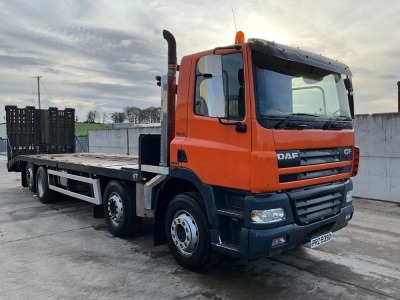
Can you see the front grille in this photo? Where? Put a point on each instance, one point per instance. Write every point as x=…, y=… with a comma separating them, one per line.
x=317, y=203
x=313, y=157
x=297, y=158
x=313, y=174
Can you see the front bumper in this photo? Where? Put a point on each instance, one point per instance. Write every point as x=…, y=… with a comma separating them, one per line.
x=260, y=241
x=325, y=204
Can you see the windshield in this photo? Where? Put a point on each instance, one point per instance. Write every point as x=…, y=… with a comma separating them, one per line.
x=287, y=88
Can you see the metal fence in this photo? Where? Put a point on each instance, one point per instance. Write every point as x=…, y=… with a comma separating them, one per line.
x=81, y=144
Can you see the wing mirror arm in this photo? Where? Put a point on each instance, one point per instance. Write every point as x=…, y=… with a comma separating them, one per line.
x=240, y=127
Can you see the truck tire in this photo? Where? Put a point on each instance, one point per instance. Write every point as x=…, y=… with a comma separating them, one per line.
x=120, y=209
x=187, y=231
x=30, y=177
x=44, y=194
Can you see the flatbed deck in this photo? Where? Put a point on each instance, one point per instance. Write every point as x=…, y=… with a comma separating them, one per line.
x=110, y=165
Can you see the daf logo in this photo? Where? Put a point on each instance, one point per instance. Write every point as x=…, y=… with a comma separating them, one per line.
x=288, y=155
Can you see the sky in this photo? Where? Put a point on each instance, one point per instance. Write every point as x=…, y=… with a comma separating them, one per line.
x=104, y=55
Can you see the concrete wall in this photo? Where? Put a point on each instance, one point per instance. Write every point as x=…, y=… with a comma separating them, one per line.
x=3, y=139
x=3, y=131
x=118, y=141
x=3, y=147
x=378, y=137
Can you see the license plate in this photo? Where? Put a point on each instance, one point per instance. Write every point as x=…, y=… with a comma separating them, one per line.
x=322, y=239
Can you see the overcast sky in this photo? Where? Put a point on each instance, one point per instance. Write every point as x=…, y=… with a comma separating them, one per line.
x=104, y=55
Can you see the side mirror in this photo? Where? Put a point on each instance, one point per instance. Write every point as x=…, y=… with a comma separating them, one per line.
x=351, y=104
x=349, y=87
x=212, y=91
x=347, y=83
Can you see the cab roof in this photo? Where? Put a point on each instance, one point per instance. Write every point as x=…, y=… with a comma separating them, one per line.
x=298, y=55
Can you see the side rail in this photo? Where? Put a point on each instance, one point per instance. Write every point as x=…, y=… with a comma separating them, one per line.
x=64, y=183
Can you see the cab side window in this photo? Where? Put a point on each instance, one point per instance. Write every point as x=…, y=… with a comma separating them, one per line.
x=232, y=105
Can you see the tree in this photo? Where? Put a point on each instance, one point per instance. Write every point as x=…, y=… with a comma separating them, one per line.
x=136, y=115
x=118, y=117
x=132, y=114
x=155, y=114
x=144, y=116
x=92, y=115
x=150, y=115
x=104, y=117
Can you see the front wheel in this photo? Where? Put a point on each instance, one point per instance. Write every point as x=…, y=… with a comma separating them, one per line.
x=119, y=209
x=187, y=231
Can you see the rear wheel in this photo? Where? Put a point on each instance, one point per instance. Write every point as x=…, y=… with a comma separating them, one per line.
x=30, y=177
x=44, y=194
x=119, y=209
x=187, y=232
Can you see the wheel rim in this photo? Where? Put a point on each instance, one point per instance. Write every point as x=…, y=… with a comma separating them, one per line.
x=185, y=233
x=40, y=186
x=115, y=209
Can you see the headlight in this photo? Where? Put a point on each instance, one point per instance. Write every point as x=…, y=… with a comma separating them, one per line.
x=268, y=216
x=349, y=196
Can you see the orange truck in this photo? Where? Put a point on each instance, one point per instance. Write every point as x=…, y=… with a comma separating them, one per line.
x=254, y=158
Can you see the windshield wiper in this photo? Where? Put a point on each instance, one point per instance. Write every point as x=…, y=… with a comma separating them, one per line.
x=288, y=118
x=331, y=122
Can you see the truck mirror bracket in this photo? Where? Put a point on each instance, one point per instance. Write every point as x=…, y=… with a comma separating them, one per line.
x=240, y=127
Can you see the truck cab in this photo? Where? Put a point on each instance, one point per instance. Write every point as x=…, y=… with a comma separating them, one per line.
x=264, y=132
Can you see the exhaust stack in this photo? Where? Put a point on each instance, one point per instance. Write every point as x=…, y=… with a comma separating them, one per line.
x=169, y=114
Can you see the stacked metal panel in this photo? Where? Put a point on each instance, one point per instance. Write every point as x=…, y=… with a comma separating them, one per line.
x=34, y=131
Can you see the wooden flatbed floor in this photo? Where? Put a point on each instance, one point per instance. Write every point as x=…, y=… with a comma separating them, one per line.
x=111, y=165
x=92, y=159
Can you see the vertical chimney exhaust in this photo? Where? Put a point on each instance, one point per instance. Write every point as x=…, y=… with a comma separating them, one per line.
x=172, y=67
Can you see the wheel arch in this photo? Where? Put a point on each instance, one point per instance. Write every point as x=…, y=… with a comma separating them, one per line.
x=181, y=181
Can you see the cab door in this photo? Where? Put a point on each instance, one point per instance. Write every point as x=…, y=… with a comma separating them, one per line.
x=218, y=142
